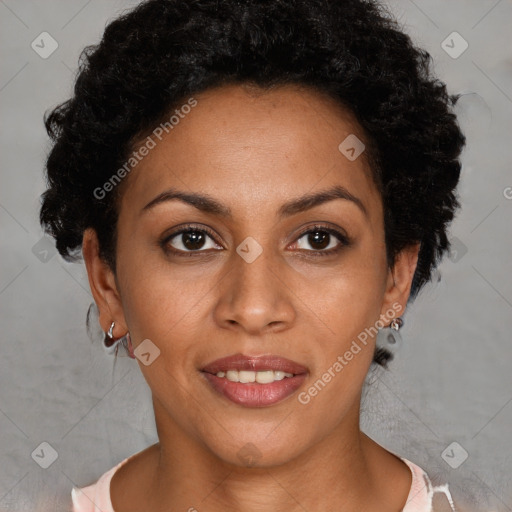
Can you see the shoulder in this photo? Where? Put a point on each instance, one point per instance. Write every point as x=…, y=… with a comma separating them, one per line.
x=96, y=496
x=421, y=494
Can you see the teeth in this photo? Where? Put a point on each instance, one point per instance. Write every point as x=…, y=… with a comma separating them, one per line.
x=232, y=375
x=265, y=377
x=246, y=376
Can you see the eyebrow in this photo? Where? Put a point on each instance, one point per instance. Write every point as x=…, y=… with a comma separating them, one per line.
x=207, y=204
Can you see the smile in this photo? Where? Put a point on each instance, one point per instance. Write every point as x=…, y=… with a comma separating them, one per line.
x=247, y=376
x=254, y=381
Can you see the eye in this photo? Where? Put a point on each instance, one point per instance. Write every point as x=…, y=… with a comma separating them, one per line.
x=322, y=240
x=189, y=240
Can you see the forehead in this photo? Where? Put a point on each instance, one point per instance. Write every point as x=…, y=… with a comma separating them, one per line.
x=249, y=146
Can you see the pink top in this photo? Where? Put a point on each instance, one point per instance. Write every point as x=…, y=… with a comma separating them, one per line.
x=96, y=497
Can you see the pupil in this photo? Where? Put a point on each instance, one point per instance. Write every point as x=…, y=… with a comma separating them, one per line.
x=319, y=239
x=193, y=240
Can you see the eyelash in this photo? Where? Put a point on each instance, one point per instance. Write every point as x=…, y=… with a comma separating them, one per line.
x=343, y=239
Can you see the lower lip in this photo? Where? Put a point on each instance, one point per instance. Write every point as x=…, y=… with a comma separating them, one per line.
x=254, y=394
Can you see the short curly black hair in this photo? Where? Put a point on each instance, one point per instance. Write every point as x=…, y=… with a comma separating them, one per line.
x=156, y=55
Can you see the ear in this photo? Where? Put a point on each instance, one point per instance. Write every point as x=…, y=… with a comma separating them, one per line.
x=399, y=280
x=103, y=286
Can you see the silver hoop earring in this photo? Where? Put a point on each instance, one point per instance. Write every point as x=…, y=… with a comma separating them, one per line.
x=124, y=342
x=396, y=323
x=110, y=332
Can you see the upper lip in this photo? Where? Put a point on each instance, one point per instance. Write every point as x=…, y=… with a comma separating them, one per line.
x=254, y=363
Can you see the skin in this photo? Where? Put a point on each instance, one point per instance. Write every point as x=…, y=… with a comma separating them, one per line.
x=253, y=151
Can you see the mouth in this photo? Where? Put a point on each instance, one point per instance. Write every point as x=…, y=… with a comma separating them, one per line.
x=254, y=381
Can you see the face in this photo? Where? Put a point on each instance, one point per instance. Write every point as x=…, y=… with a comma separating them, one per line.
x=263, y=265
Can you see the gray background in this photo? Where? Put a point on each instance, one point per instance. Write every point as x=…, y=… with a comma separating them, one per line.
x=451, y=380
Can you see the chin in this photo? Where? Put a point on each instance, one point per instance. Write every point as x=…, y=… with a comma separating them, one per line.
x=258, y=451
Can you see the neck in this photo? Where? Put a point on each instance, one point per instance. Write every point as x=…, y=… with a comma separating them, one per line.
x=346, y=468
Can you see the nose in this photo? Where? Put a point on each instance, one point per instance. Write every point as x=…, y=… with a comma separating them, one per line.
x=255, y=297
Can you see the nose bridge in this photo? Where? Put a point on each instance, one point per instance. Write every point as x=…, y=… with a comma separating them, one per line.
x=253, y=284
x=252, y=267
x=253, y=295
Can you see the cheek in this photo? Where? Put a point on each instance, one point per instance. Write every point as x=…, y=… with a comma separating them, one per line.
x=165, y=304
x=342, y=360
x=348, y=298
x=345, y=312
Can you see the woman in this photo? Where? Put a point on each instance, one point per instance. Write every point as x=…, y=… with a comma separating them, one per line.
x=257, y=189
